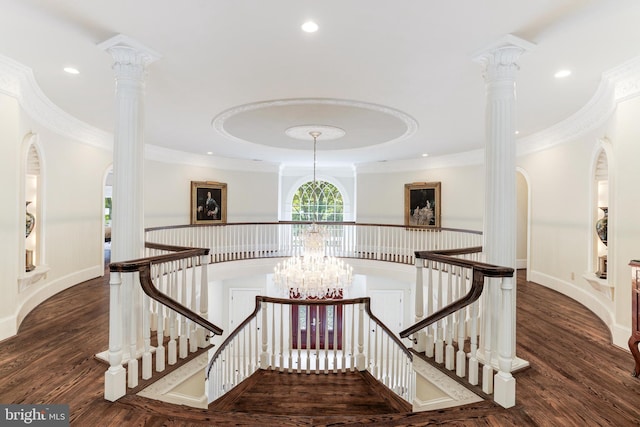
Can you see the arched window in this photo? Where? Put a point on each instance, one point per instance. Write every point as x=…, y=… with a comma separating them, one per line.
x=327, y=205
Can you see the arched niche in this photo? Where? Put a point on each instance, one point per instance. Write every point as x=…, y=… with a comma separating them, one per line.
x=32, y=214
x=598, y=251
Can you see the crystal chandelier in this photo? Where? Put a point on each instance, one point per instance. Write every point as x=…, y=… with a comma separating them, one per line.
x=314, y=274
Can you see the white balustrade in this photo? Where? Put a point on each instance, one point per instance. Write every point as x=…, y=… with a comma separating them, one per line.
x=271, y=340
x=448, y=329
x=313, y=337
x=145, y=321
x=230, y=242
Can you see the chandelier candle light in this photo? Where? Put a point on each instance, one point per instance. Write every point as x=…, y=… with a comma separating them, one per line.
x=314, y=274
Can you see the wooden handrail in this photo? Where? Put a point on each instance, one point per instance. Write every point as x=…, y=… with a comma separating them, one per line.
x=479, y=270
x=143, y=266
x=303, y=223
x=260, y=299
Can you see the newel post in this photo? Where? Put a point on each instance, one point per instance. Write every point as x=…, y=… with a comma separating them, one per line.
x=204, y=298
x=504, y=382
x=361, y=364
x=420, y=336
x=264, y=355
x=115, y=378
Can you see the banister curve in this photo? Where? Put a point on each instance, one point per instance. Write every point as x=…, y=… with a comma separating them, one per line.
x=479, y=270
x=285, y=301
x=143, y=267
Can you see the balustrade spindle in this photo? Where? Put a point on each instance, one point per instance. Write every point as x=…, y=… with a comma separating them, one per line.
x=439, y=341
x=449, y=360
x=264, y=356
x=172, y=346
x=183, y=349
x=193, y=327
x=461, y=356
x=146, y=333
x=204, y=299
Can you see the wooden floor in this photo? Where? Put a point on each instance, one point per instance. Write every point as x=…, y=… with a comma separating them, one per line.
x=576, y=377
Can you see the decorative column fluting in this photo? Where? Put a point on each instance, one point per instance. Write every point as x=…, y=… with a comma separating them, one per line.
x=500, y=221
x=130, y=60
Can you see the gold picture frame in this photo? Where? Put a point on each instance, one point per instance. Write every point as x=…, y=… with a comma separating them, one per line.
x=208, y=202
x=422, y=204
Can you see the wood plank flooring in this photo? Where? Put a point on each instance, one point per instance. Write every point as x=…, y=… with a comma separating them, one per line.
x=577, y=377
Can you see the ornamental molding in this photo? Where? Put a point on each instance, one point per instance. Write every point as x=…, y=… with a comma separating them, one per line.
x=447, y=385
x=617, y=85
x=170, y=381
x=130, y=57
x=410, y=123
x=18, y=81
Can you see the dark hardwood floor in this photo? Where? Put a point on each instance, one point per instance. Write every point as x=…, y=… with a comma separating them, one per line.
x=577, y=378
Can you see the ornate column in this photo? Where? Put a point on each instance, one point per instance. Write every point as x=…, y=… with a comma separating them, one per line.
x=500, y=68
x=130, y=60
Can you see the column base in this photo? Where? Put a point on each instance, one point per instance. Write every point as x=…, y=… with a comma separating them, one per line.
x=115, y=383
x=504, y=390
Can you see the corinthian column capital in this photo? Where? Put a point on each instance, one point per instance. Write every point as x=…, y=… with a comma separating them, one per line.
x=499, y=59
x=130, y=58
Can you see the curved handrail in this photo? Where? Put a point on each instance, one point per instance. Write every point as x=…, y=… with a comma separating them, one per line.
x=359, y=224
x=260, y=299
x=480, y=271
x=143, y=267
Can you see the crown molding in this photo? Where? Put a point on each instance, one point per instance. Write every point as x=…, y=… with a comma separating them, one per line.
x=167, y=155
x=17, y=80
x=617, y=85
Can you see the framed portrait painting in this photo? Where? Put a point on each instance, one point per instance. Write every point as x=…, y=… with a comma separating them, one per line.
x=422, y=204
x=208, y=202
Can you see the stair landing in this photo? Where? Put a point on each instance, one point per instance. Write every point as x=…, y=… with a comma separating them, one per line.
x=275, y=393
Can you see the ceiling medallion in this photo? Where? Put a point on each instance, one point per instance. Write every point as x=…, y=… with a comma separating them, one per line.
x=306, y=132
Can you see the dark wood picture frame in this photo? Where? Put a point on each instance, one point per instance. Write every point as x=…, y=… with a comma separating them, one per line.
x=208, y=202
x=422, y=204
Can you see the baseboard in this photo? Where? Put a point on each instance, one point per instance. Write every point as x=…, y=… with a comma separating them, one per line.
x=599, y=306
x=40, y=292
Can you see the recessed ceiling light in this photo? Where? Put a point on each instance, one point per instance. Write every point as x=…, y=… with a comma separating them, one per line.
x=560, y=74
x=425, y=154
x=71, y=70
x=210, y=152
x=309, y=27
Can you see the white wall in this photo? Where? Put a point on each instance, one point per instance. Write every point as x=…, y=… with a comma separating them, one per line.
x=561, y=225
x=73, y=206
x=624, y=235
x=9, y=211
x=380, y=197
x=251, y=196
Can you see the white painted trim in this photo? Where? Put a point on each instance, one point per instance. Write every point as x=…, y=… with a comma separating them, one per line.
x=38, y=296
x=456, y=393
x=18, y=81
x=616, y=85
x=599, y=305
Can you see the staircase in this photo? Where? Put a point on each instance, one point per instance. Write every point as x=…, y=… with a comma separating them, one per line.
x=279, y=393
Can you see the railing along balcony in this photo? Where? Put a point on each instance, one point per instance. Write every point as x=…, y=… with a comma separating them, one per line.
x=312, y=336
x=448, y=270
x=163, y=296
x=238, y=241
x=456, y=328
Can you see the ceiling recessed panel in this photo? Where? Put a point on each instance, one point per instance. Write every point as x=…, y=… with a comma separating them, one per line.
x=266, y=123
